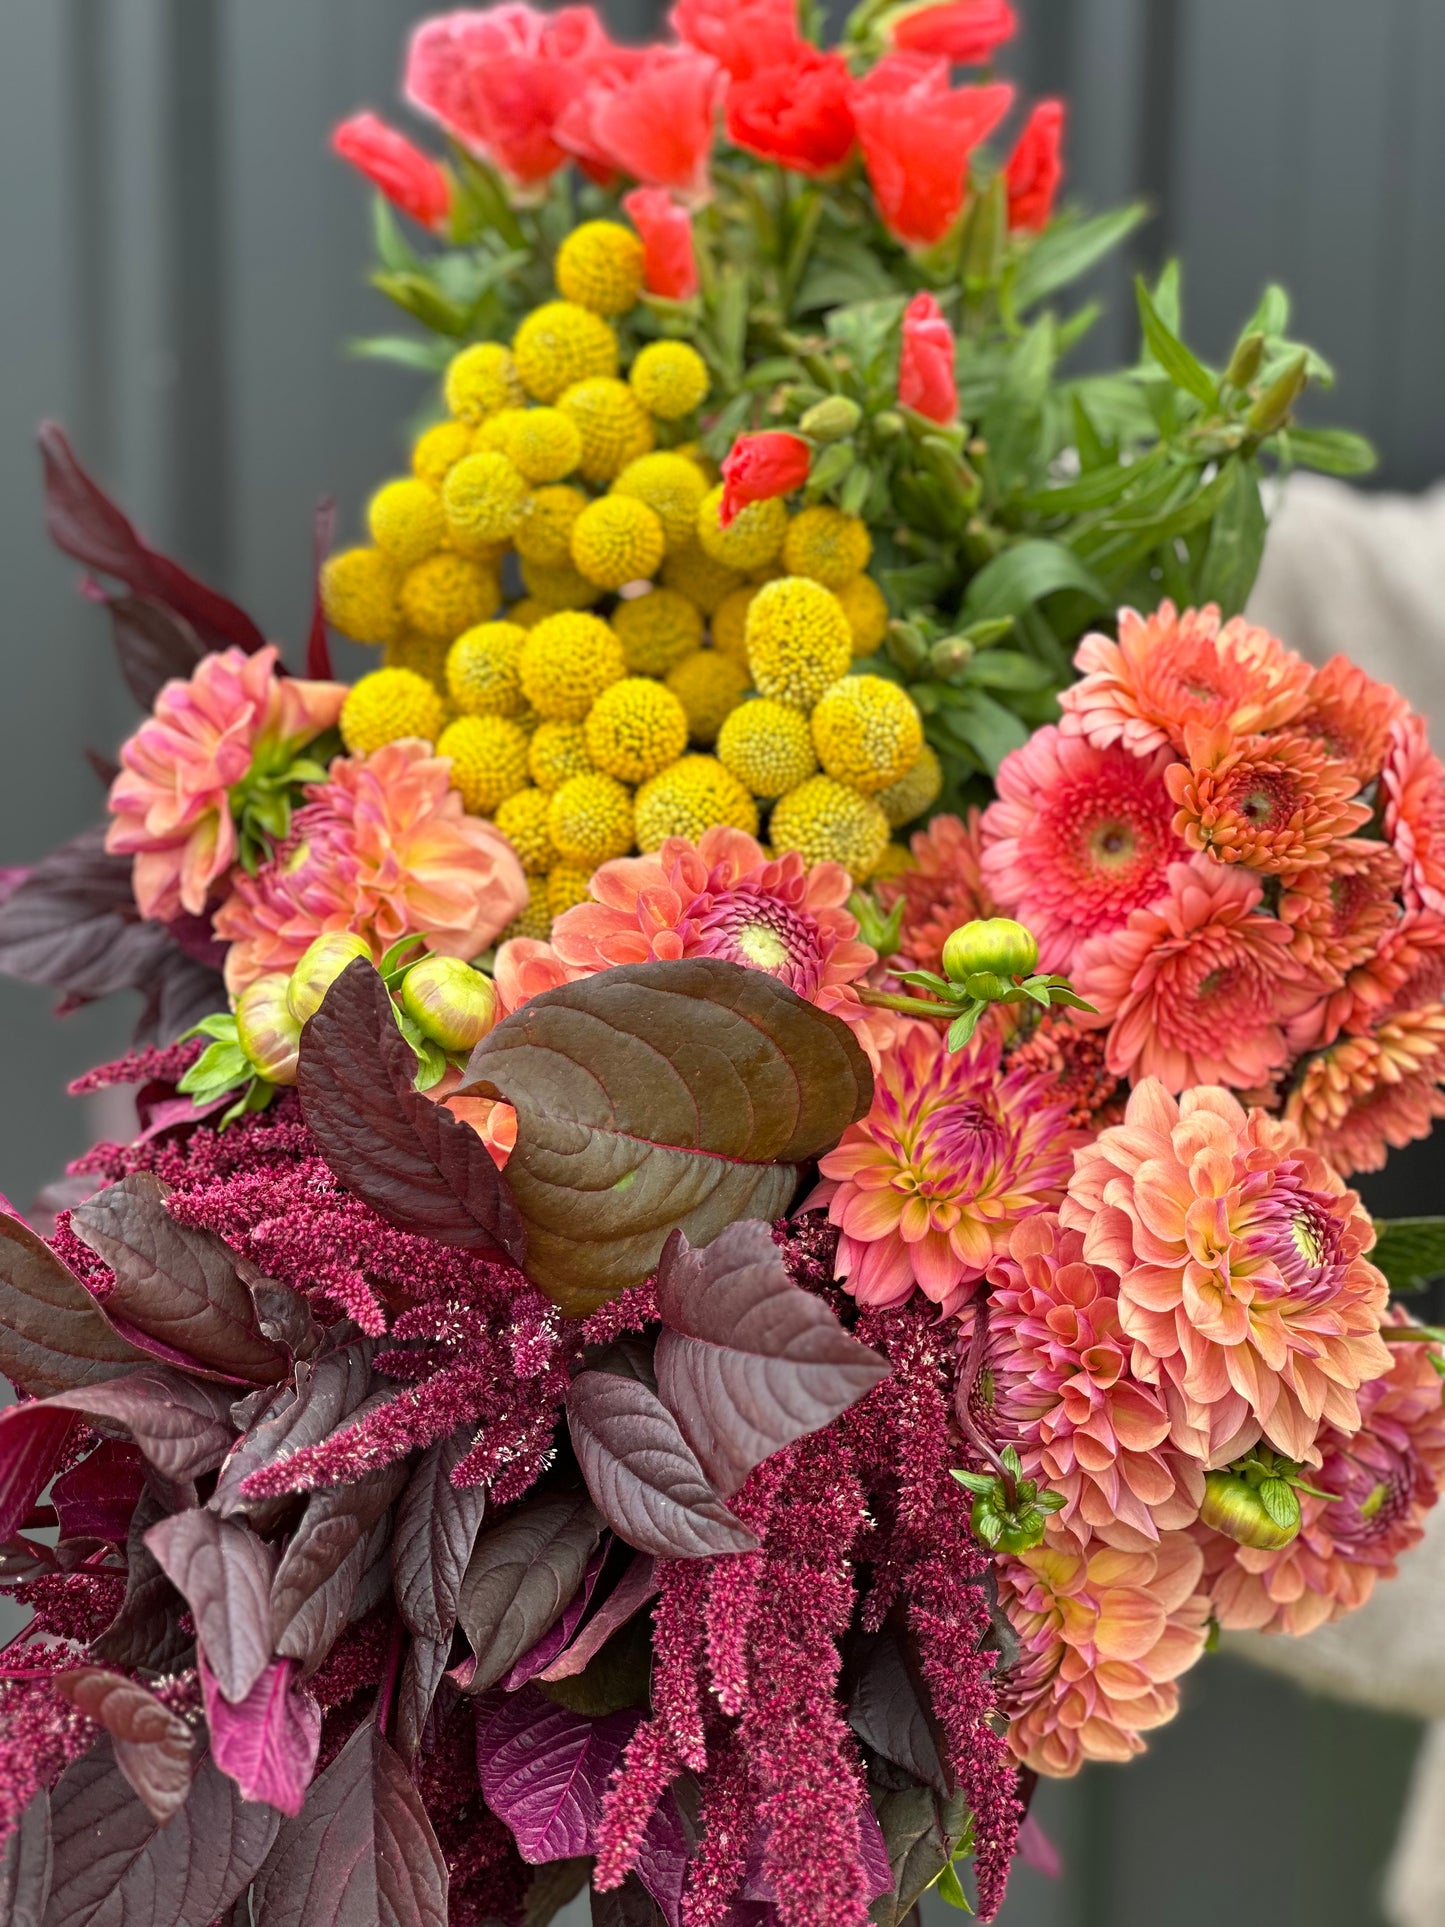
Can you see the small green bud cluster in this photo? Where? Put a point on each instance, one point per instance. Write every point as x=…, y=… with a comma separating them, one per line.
x=1009, y=1513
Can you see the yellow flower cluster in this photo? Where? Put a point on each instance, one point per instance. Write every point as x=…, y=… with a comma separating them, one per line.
x=564, y=616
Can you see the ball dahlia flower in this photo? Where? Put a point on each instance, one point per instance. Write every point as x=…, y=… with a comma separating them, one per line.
x=952, y=1155
x=382, y=848
x=1373, y=1092
x=1079, y=837
x=1414, y=785
x=1169, y=670
x=171, y=802
x=1243, y=1280
x=1105, y=1636
x=944, y=888
x=1274, y=803
x=1350, y=715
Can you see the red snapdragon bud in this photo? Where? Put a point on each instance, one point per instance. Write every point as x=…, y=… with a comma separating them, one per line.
x=926, y=381
x=410, y=179
x=1036, y=169
x=669, y=266
x=795, y=113
x=759, y=467
x=917, y=132
x=964, y=31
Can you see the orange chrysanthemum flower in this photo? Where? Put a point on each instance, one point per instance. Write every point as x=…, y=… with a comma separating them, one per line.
x=1059, y=1045
x=1274, y=803
x=1414, y=785
x=1370, y=1094
x=1340, y=911
x=1169, y=670
x=1350, y=715
x=1406, y=972
x=945, y=890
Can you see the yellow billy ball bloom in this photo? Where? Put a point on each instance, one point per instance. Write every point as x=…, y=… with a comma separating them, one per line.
x=692, y=796
x=599, y=266
x=657, y=630
x=670, y=379
x=359, y=595
x=709, y=687
x=590, y=820
x=427, y=655
x=491, y=436
x=617, y=540
x=827, y=545
x=914, y=792
x=567, y=886
x=449, y=593
x=528, y=610
x=481, y=380
x=388, y=705
x=694, y=574
x=827, y=822
x=867, y=732
x=559, y=585
x=438, y=449
x=799, y=642
x=486, y=499
x=673, y=487
x=546, y=535
x=561, y=343
x=614, y=427
x=489, y=760
x=482, y=670
x=866, y=608
x=566, y=663
x=536, y=920
x=558, y=750
x=522, y=819
x=635, y=728
x=405, y=521
x=730, y=625
x=543, y=444
x=753, y=538
x=768, y=747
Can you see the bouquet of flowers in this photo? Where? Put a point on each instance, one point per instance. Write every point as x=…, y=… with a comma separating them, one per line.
x=624, y=1354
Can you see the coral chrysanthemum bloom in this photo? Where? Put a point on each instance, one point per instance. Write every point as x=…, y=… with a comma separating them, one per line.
x=1060, y=1045
x=172, y=799
x=1275, y=803
x=1243, y=1279
x=1350, y=715
x=383, y=848
x=1197, y=988
x=1374, y=1093
x=1079, y=838
x=1105, y=1634
x=928, y=1187
x=1385, y=1478
x=942, y=891
x=1406, y=972
x=1064, y=1395
x=1414, y=784
x=1172, y=669
x=1340, y=911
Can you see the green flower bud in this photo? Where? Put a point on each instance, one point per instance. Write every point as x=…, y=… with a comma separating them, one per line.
x=320, y=966
x=831, y=420
x=830, y=466
x=268, y=1033
x=949, y=658
x=994, y=945
x=1252, y=1515
x=906, y=646
x=449, y=1002
x=1276, y=404
x=1246, y=361
x=889, y=425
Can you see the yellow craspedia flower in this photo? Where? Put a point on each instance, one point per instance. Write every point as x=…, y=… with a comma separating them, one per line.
x=567, y=886
x=866, y=608
x=546, y=535
x=561, y=343
x=730, y=625
x=427, y=655
x=489, y=760
x=522, y=819
x=657, y=630
x=481, y=670
x=566, y=663
x=543, y=444
x=867, y=732
x=694, y=574
x=829, y=823
x=673, y=487
x=387, y=705
x=799, y=642
x=536, y=920
x=670, y=379
x=635, y=728
x=709, y=687
x=559, y=585
x=617, y=540
x=448, y=593
x=405, y=521
x=438, y=449
x=914, y=792
x=896, y=861
x=486, y=499
x=753, y=538
x=614, y=427
x=480, y=380
x=768, y=747
x=590, y=820
x=599, y=266
x=827, y=545
x=491, y=436
x=690, y=797
x=528, y=611
x=359, y=595
x=557, y=751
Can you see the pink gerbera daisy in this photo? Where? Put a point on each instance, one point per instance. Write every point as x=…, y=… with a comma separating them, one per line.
x=1340, y=911
x=1414, y=785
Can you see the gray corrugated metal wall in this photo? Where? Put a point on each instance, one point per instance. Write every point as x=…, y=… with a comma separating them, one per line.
x=182, y=262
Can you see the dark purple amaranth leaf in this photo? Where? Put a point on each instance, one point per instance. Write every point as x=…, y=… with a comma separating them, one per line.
x=182, y=1425
x=921, y=1833
x=663, y=1858
x=268, y=1741
x=538, y=1658
x=637, y=1585
x=152, y=1745
x=176, y=1288
x=520, y=1579
x=551, y=1887
x=888, y=1706
x=114, y=1867
x=52, y=1336
x=629, y=1905
x=361, y=1853
x=323, y=1392
x=545, y=1769
x=659, y=1095
x=74, y=926
x=422, y=1673
x=25, y=1862
x=643, y=1474
x=179, y=992
x=318, y=642
x=32, y=1439
x=436, y=1529
x=153, y=645
x=224, y=1574
x=748, y=1361
x=84, y=523
x=407, y=1157
x=97, y=1498
x=323, y=1564
x=146, y=1632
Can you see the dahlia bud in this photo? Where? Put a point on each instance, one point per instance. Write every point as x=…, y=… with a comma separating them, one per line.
x=992, y=946
x=832, y=420
x=268, y=1033
x=449, y=1002
x=1264, y=1516
x=321, y=964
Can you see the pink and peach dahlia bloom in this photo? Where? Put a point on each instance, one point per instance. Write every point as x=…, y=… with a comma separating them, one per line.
x=1414, y=786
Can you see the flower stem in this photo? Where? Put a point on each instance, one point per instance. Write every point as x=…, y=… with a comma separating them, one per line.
x=910, y=1006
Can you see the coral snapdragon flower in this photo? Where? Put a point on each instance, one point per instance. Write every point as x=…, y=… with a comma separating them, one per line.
x=795, y=113
x=965, y=32
x=759, y=467
x=1035, y=170
x=669, y=263
x=410, y=179
x=1274, y=803
x=652, y=116
x=917, y=132
x=744, y=36
x=926, y=380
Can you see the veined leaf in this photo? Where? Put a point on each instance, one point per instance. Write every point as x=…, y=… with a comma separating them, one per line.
x=544, y=1769
x=520, y=1578
x=1333, y=451
x=152, y=1744
x=52, y=1335
x=1182, y=367
x=223, y=1572
x=1410, y=1251
x=1236, y=541
x=1027, y=573
x=436, y=1528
